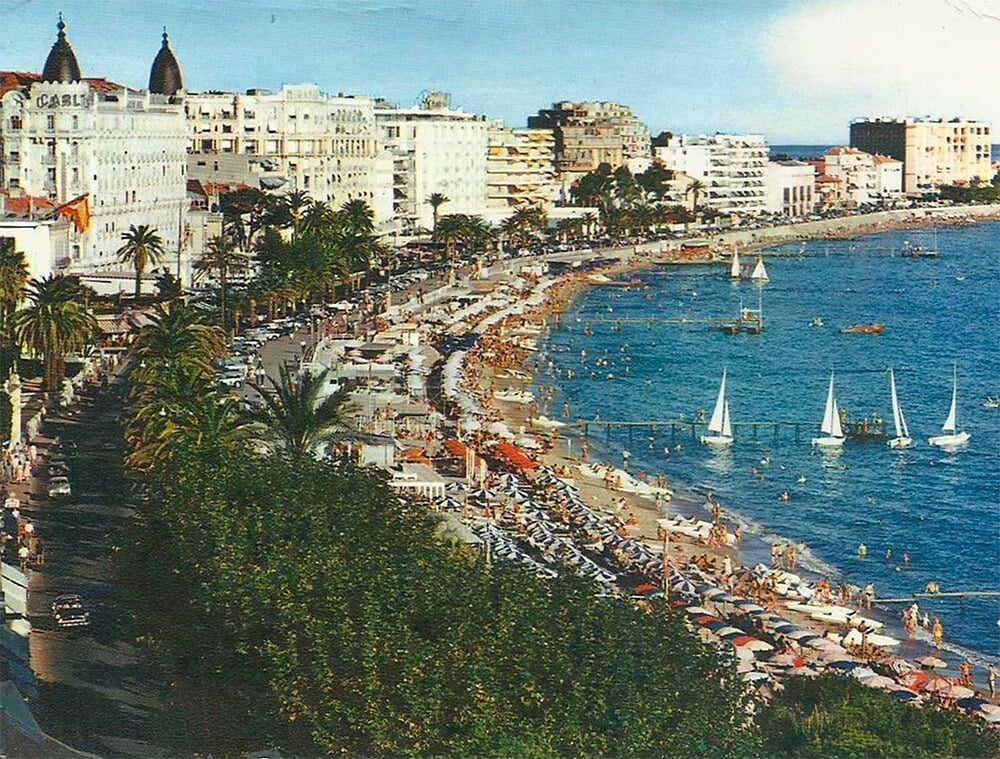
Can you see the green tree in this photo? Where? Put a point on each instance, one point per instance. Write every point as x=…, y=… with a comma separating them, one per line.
x=695, y=187
x=167, y=286
x=13, y=280
x=142, y=246
x=221, y=258
x=54, y=323
x=295, y=416
x=436, y=200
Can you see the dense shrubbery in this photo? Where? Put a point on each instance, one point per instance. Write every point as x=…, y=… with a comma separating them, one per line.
x=303, y=604
x=835, y=716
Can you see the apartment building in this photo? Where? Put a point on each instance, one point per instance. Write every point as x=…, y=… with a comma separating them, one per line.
x=588, y=134
x=299, y=139
x=866, y=178
x=731, y=167
x=108, y=155
x=933, y=152
x=434, y=149
x=520, y=167
x=790, y=188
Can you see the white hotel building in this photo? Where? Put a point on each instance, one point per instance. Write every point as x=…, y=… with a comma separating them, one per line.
x=297, y=140
x=731, y=167
x=120, y=152
x=435, y=150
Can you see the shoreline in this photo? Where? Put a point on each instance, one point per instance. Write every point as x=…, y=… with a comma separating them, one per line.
x=561, y=297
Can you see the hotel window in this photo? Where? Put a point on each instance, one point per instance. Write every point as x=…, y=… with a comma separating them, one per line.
x=50, y=121
x=15, y=122
x=76, y=122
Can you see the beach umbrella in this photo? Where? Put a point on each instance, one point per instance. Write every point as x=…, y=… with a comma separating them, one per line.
x=754, y=676
x=696, y=611
x=785, y=627
x=913, y=678
x=708, y=619
x=786, y=660
x=759, y=645
x=843, y=666
x=741, y=640
x=685, y=587
x=990, y=716
x=958, y=692
x=456, y=487
x=860, y=673
x=799, y=634
x=971, y=704
x=706, y=588
x=714, y=593
x=803, y=672
x=730, y=632
x=715, y=625
x=931, y=662
x=749, y=607
x=937, y=684
x=877, y=681
x=903, y=695
x=469, y=424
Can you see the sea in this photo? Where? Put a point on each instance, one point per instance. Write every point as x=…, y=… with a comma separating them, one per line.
x=941, y=315
x=815, y=152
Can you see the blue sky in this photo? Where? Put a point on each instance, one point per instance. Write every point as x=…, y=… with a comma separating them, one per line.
x=794, y=70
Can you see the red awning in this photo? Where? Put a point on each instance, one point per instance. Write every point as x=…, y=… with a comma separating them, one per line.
x=456, y=448
x=513, y=455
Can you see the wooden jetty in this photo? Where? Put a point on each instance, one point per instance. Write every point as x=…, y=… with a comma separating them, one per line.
x=675, y=426
x=959, y=594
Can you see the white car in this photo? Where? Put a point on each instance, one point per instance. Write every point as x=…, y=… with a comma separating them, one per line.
x=231, y=379
x=59, y=488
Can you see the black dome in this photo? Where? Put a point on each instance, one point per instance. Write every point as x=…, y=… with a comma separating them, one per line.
x=61, y=65
x=165, y=76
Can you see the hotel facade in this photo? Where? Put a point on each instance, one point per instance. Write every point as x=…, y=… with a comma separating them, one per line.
x=117, y=156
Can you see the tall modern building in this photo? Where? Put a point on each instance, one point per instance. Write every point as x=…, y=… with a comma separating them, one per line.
x=112, y=156
x=434, y=149
x=297, y=140
x=933, y=152
x=520, y=168
x=731, y=168
x=588, y=134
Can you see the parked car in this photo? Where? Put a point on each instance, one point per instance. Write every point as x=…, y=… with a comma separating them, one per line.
x=70, y=610
x=59, y=488
x=58, y=469
x=232, y=379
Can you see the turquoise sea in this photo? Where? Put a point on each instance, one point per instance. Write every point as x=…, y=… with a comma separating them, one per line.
x=942, y=509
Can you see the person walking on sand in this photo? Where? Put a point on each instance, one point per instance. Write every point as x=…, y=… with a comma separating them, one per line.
x=991, y=679
x=869, y=595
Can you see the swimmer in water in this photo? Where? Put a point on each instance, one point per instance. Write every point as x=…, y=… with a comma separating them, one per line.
x=862, y=550
x=785, y=498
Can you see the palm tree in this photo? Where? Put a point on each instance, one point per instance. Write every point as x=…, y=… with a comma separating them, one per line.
x=142, y=246
x=177, y=340
x=589, y=220
x=54, y=323
x=295, y=416
x=13, y=278
x=695, y=188
x=436, y=200
x=450, y=230
x=297, y=204
x=357, y=217
x=317, y=219
x=221, y=257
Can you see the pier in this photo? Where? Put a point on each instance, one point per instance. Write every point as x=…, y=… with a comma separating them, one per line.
x=675, y=426
x=959, y=594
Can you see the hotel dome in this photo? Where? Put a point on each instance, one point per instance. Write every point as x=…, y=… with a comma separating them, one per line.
x=61, y=65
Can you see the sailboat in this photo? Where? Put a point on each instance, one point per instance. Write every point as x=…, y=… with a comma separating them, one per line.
x=951, y=437
x=902, y=439
x=831, y=423
x=734, y=269
x=719, y=424
x=759, y=272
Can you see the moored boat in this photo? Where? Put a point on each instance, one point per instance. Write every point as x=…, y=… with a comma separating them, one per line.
x=833, y=434
x=902, y=439
x=720, y=424
x=864, y=329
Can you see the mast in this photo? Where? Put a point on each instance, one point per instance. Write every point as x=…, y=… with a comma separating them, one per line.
x=949, y=423
x=716, y=423
x=896, y=415
x=830, y=412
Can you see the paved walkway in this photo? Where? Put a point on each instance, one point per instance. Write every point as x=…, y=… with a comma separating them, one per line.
x=94, y=693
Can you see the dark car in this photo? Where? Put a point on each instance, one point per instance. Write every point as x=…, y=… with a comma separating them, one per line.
x=58, y=469
x=70, y=610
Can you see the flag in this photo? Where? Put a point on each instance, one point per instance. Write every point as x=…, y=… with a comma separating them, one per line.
x=77, y=211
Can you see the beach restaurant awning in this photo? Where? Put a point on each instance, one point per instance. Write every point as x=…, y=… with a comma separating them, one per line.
x=513, y=455
x=455, y=448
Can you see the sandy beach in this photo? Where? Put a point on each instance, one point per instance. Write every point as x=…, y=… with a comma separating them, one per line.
x=502, y=373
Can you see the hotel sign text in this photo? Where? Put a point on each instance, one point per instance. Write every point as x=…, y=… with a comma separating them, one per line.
x=75, y=100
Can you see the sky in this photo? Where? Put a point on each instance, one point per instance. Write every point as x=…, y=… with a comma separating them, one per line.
x=796, y=71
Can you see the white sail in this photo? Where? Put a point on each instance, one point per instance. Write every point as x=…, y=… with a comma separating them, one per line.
x=715, y=424
x=896, y=414
x=902, y=423
x=759, y=272
x=727, y=430
x=734, y=270
x=830, y=412
x=949, y=423
x=836, y=431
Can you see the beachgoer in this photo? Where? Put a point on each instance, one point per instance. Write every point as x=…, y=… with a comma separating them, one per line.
x=906, y=559
x=937, y=631
x=785, y=497
x=869, y=594
x=738, y=534
x=888, y=555
x=926, y=621
x=965, y=670
x=991, y=678
x=862, y=550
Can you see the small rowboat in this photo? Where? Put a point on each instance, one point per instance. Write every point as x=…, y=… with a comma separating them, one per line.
x=864, y=329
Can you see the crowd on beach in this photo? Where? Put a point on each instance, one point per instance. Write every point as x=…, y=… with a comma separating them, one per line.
x=550, y=517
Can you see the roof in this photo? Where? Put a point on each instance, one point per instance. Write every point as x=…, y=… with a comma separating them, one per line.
x=22, y=80
x=26, y=206
x=165, y=76
x=886, y=159
x=61, y=65
x=827, y=179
